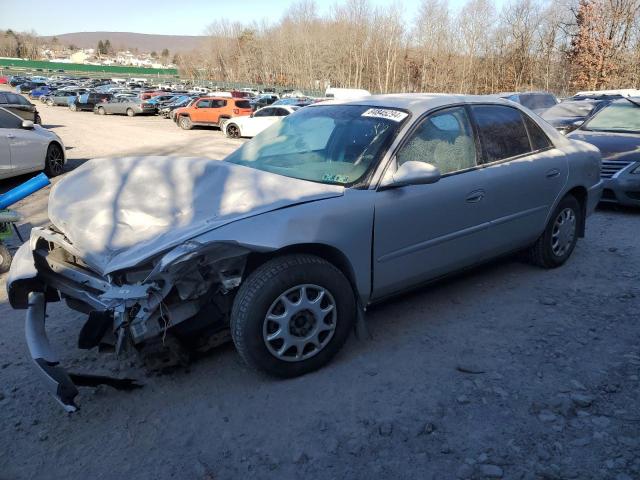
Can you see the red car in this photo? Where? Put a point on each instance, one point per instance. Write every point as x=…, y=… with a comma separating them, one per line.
x=4, y=79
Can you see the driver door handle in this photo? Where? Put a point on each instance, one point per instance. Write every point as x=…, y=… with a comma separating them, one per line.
x=475, y=196
x=554, y=172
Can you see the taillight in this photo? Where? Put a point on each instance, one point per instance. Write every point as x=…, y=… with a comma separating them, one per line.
x=236, y=111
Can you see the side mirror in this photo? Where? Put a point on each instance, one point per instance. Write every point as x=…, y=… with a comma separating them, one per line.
x=578, y=123
x=27, y=124
x=412, y=173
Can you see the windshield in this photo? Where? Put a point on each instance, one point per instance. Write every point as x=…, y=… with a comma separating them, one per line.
x=618, y=117
x=334, y=144
x=570, y=109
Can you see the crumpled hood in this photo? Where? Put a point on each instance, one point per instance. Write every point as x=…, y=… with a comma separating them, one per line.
x=119, y=212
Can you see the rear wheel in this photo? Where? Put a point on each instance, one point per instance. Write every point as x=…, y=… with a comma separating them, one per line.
x=50, y=102
x=73, y=107
x=5, y=258
x=37, y=120
x=232, y=131
x=292, y=315
x=555, y=245
x=101, y=111
x=54, y=162
x=185, y=123
x=130, y=112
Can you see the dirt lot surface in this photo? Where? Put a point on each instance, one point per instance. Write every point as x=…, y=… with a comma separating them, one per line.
x=507, y=371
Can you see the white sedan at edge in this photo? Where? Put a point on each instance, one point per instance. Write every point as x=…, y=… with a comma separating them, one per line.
x=25, y=148
x=258, y=121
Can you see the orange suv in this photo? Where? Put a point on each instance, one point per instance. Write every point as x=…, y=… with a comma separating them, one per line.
x=211, y=111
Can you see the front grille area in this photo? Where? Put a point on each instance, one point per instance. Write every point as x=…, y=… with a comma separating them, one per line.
x=610, y=168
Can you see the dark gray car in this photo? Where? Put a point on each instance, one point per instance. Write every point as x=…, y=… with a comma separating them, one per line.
x=286, y=242
x=125, y=106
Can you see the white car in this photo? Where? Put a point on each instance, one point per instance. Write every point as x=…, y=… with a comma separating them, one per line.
x=25, y=148
x=258, y=121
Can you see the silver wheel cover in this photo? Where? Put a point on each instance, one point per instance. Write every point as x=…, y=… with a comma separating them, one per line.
x=300, y=323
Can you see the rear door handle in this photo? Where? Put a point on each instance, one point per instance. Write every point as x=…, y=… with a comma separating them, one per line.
x=10, y=135
x=475, y=196
x=554, y=172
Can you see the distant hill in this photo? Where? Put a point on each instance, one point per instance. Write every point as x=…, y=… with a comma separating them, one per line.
x=128, y=40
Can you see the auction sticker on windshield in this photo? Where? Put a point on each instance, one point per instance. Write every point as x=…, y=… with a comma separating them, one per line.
x=394, y=115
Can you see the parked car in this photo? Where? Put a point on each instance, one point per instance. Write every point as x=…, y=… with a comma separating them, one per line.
x=63, y=98
x=615, y=130
x=4, y=80
x=293, y=101
x=88, y=101
x=124, y=106
x=16, y=80
x=166, y=111
x=263, y=101
x=20, y=106
x=28, y=86
x=38, y=92
x=258, y=121
x=537, y=102
x=286, y=241
x=26, y=147
x=211, y=111
x=568, y=115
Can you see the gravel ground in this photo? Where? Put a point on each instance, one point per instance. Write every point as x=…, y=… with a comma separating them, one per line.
x=507, y=371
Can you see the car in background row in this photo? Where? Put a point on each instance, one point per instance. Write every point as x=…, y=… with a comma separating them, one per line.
x=264, y=100
x=167, y=111
x=124, y=106
x=537, y=102
x=258, y=121
x=40, y=91
x=211, y=111
x=20, y=106
x=28, y=86
x=88, y=101
x=63, y=98
x=615, y=130
x=568, y=115
x=26, y=147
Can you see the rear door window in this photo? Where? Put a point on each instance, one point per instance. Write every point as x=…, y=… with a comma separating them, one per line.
x=502, y=132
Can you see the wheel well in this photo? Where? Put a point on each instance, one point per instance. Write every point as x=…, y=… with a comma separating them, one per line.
x=326, y=252
x=580, y=194
x=53, y=142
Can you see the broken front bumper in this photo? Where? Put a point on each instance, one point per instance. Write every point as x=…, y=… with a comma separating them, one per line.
x=55, y=378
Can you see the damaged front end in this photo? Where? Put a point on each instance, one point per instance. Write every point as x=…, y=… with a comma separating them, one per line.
x=176, y=303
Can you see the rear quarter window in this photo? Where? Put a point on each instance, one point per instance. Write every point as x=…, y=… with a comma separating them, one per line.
x=243, y=104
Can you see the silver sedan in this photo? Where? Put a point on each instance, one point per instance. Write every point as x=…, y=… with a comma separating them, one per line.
x=125, y=106
x=286, y=243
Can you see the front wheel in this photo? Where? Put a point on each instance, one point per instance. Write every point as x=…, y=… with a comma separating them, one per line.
x=185, y=123
x=557, y=242
x=54, y=161
x=292, y=315
x=232, y=131
x=50, y=103
x=73, y=107
x=101, y=111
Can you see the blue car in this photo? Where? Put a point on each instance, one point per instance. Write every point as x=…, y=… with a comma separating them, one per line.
x=40, y=91
x=27, y=87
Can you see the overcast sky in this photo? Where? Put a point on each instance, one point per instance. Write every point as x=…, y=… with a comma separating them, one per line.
x=171, y=17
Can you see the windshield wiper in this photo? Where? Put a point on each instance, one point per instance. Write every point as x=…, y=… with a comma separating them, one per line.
x=635, y=102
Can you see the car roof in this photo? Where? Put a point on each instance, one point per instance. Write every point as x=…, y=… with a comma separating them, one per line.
x=416, y=103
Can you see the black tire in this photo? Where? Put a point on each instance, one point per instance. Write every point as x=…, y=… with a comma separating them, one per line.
x=130, y=112
x=542, y=253
x=37, y=120
x=185, y=123
x=5, y=258
x=256, y=298
x=50, y=103
x=232, y=131
x=73, y=107
x=54, y=161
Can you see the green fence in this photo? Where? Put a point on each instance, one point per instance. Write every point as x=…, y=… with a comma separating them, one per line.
x=43, y=66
